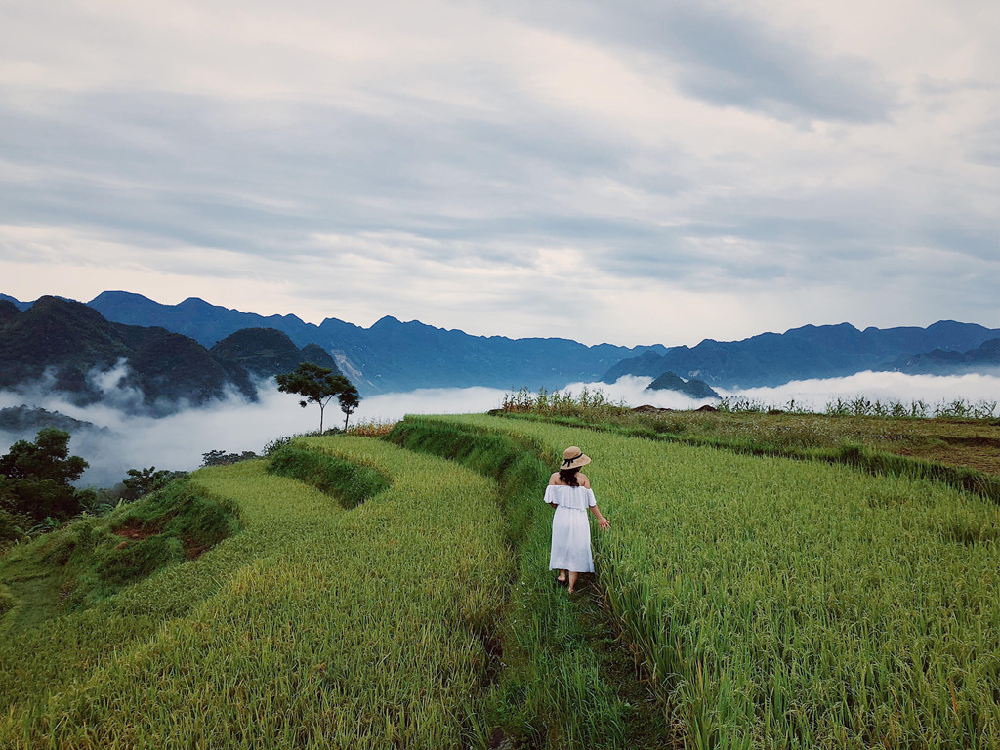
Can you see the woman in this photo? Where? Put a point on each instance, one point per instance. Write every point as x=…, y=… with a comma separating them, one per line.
x=570, y=494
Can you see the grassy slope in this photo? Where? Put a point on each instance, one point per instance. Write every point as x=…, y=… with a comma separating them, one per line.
x=64, y=650
x=332, y=629
x=350, y=482
x=970, y=444
x=92, y=558
x=838, y=440
x=784, y=603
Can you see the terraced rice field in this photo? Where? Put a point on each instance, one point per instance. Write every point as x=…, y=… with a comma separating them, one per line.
x=795, y=604
x=327, y=628
x=767, y=602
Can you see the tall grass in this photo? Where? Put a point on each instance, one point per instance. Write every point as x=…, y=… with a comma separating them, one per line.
x=595, y=403
x=795, y=604
x=366, y=629
x=371, y=428
x=349, y=482
x=42, y=661
x=589, y=401
x=862, y=406
x=556, y=690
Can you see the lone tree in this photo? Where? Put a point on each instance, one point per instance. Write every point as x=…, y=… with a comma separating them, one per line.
x=348, y=403
x=319, y=385
x=35, y=476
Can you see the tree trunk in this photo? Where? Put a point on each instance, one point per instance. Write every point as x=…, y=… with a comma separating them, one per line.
x=321, y=419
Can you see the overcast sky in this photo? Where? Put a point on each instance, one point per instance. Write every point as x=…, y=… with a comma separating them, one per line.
x=632, y=171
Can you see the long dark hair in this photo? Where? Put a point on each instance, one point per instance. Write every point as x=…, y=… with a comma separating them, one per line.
x=569, y=476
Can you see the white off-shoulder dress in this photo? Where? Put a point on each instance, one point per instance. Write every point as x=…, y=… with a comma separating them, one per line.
x=571, y=528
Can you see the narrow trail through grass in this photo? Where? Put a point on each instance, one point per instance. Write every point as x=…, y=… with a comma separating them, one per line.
x=782, y=603
x=569, y=681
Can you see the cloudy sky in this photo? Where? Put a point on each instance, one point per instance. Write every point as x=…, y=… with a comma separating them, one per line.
x=632, y=172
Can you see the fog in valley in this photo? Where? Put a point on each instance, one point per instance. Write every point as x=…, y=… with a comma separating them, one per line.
x=177, y=441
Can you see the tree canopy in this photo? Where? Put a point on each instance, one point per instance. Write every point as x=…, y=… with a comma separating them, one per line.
x=319, y=385
x=35, y=476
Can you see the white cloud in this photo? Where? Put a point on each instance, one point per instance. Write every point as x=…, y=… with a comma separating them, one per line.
x=177, y=442
x=251, y=154
x=887, y=386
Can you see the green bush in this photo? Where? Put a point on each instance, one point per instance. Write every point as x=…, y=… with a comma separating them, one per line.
x=91, y=558
x=350, y=483
x=13, y=526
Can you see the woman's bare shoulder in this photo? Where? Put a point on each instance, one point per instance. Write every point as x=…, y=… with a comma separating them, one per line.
x=554, y=479
x=584, y=480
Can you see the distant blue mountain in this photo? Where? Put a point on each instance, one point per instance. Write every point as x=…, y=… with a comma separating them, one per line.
x=827, y=351
x=983, y=359
x=17, y=303
x=694, y=388
x=391, y=355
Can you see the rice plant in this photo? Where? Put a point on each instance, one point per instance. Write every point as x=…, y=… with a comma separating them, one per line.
x=313, y=627
x=796, y=604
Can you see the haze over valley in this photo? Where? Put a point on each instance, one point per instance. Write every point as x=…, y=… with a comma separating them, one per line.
x=167, y=416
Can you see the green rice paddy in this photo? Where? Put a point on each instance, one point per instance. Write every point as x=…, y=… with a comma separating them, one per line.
x=741, y=601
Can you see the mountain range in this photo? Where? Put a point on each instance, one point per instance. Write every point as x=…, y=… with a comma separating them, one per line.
x=65, y=346
x=199, y=348
x=827, y=351
x=391, y=355
x=984, y=358
x=25, y=421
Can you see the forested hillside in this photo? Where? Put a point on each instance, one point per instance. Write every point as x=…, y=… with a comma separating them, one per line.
x=57, y=345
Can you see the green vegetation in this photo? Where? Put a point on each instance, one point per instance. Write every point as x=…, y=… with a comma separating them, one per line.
x=559, y=687
x=963, y=451
x=752, y=442
x=139, y=482
x=783, y=603
x=311, y=628
x=347, y=481
x=373, y=594
x=35, y=479
x=39, y=662
x=319, y=385
x=860, y=406
x=92, y=558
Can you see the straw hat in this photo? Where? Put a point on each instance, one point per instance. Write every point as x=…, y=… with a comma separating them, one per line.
x=574, y=458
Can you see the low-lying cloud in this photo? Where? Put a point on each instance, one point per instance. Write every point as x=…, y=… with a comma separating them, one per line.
x=886, y=386
x=177, y=442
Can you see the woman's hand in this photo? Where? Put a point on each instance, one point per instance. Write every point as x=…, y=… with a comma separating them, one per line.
x=603, y=523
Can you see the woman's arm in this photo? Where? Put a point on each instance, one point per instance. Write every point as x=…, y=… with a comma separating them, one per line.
x=602, y=522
